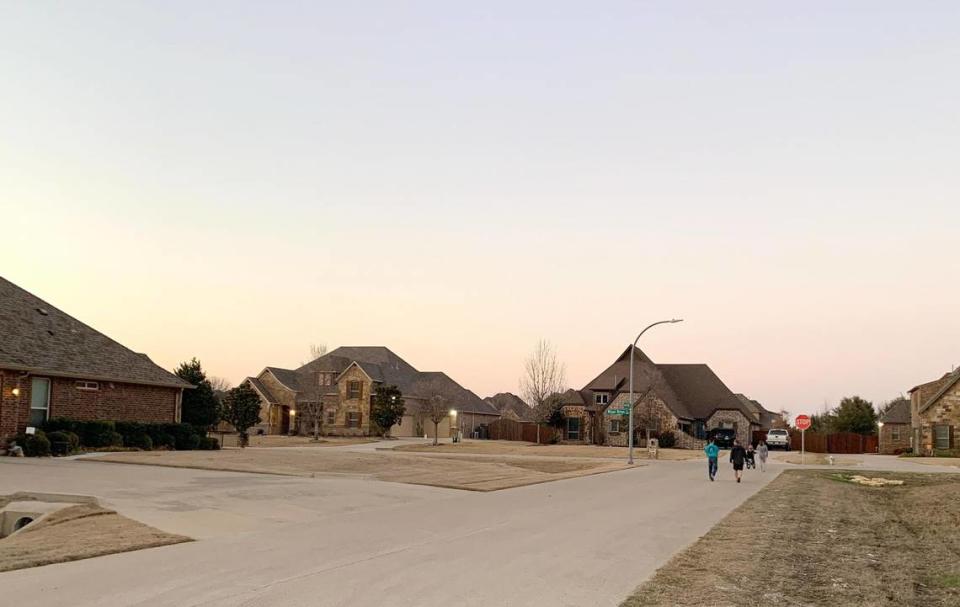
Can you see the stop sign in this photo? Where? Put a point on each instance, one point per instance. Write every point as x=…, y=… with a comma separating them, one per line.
x=802, y=422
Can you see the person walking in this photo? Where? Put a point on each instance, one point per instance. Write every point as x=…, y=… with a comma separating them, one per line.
x=762, y=453
x=737, y=457
x=713, y=452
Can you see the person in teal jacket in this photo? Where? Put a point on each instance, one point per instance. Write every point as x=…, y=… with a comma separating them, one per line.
x=713, y=452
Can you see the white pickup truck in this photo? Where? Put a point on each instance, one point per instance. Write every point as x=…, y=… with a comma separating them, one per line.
x=778, y=439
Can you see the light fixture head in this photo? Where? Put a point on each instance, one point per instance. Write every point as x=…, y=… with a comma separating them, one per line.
x=453, y=412
x=16, y=391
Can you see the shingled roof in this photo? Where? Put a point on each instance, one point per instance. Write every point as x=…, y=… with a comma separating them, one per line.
x=384, y=366
x=42, y=339
x=898, y=413
x=690, y=391
x=506, y=402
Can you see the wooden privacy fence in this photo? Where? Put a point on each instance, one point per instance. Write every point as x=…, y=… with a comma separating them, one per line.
x=508, y=429
x=838, y=442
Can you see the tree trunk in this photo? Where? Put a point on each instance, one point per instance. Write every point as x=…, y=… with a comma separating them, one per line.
x=316, y=428
x=244, y=440
x=436, y=432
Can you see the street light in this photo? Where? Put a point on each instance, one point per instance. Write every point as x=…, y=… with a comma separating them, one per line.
x=660, y=322
x=879, y=436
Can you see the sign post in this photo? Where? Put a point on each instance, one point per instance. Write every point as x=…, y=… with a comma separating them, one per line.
x=803, y=423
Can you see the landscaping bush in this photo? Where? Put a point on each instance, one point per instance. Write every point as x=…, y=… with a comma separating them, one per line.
x=188, y=442
x=209, y=443
x=34, y=445
x=164, y=441
x=69, y=439
x=667, y=439
x=61, y=424
x=113, y=439
x=97, y=434
x=140, y=441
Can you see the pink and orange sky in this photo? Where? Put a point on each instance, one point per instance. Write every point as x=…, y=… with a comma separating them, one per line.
x=235, y=181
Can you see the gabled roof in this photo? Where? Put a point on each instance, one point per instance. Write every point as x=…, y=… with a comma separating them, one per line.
x=261, y=389
x=41, y=339
x=384, y=366
x=898, y=413
x=760, y=415
x=505, y=402
x=288, y=378
x=572, y=397
x=646, y=378
x=945, y=383
x=701, y=391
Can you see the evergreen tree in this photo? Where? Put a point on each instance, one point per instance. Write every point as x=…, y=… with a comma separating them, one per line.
x=855, y=415
x=241, y=409
x=199, y=407
x=388, y=408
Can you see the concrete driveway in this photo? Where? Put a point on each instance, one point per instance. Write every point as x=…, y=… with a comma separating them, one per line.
x=268, y=540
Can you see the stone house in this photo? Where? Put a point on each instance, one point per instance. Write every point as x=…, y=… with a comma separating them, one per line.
x=895, y=432
x=935, y=414
x=53, y=365
x=686, y=399
x=342, y=384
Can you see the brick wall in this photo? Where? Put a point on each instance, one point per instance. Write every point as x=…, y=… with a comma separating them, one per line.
x=894, y=438
x=112, y=401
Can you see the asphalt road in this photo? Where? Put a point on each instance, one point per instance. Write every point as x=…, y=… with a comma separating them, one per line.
x=269, y=540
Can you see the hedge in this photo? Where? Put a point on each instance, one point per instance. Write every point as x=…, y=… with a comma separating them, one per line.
x=96, y=434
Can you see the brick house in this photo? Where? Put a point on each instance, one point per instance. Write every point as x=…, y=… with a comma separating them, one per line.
x=687, y=399
x=935, y=414
x=895, y=429
x=53, y=365
x=344, y=381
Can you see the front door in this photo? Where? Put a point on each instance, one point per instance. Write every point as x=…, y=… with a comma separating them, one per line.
x=39, y=401
x=573, y=428
x=285, y=420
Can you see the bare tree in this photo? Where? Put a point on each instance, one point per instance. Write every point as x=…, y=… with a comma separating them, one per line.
x=317, y=350
x=312, y=411
x=219, y=384
x=544, y=375
x=436, y=409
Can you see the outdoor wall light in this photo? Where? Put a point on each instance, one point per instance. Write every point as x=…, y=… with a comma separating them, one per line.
x=453, y=412
x=292, y=412
x=15, y=391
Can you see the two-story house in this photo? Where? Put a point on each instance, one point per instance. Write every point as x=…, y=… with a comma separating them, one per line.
x=344, y=382
x=935, y=414
x=687, y=399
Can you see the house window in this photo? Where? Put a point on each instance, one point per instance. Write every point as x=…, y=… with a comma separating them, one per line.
x=331, y=417
x=353, y=419
x=39, y=400
x=354, y=389
x=601, y=399
x=895, y=432
x=942, y=436
x=614, y=426
x=573, y=428
x=87, y=385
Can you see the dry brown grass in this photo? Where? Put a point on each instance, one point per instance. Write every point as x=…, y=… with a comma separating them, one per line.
x=476, y=474
x=811, y=538
x=519, y=448
x=273, y=440
x=821, y=459
x=936, y=461
x=79, y=532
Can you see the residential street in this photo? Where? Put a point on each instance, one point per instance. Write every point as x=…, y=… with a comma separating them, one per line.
x=271, y=540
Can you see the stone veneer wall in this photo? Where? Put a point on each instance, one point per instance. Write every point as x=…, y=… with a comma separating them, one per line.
x=888, y=444
x=731, y=416
x=946, y=411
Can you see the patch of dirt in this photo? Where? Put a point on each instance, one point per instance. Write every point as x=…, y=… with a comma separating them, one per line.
x=78, y=532
x=475, y=474
x=807, y=539
x=522, y=448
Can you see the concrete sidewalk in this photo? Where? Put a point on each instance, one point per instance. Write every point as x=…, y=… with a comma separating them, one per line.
x=291, y=541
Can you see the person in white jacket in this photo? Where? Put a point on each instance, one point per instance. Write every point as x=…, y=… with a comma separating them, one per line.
x=762, y=453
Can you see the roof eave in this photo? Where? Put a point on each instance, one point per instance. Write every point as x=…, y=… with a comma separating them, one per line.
x=73, y=375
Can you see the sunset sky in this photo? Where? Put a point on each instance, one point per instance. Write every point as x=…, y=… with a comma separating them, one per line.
x=235, y=181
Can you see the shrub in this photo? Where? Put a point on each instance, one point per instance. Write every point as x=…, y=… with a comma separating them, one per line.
x=61, y=424
x=189, y=442
x=667, y=439
x=113, y=439
x=140, y=441
x=209, y=443
x=97, y=434
x=164, y=441
x=62, y=442
x=34, y=445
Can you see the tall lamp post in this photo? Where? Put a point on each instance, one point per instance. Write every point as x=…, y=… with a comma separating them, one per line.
x=630, y=402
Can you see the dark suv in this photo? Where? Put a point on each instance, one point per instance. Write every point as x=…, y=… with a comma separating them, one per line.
x=723, y=437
